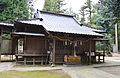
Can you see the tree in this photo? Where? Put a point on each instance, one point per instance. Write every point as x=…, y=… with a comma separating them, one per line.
x=113, y=11
x=107, y=15
x=54, y=6
x=89, y=5
x=87, y=10
x=13, y=9
x=69, y=11
x=82, y=13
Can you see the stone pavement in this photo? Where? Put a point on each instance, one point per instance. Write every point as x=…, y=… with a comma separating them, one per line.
x=34, y=68
x=115, y=54
x=87, y=72
x=5, y=66
x=74, y=71
x=8, y=66
x=90, y=71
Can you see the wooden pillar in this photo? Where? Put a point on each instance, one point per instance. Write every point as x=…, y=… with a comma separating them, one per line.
x=104, y=56
x=16, y=59
x=53, y=53
x=65, y=43
x=90, y=52
x=25, y=42
x=95, y=51
x=33, y=61
x=24, y=50
x=12, y=57
x=74, y=48
x=25, y=45
x=0, y=52
x=45, y=43
x=42, y=60
x=1, y=43
x=99, y=58
x=14, y=47
x=0, y=55
x=25, y=60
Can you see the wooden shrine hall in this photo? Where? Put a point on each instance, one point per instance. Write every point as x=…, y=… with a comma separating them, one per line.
x=51, y=38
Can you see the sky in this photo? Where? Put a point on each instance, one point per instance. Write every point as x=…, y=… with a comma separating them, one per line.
x=74, y=4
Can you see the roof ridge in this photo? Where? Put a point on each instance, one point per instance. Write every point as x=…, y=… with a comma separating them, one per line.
x=57, y=13
x=6, y=23
x=27, y=19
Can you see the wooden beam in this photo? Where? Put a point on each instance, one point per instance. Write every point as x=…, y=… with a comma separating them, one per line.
x=53, y=53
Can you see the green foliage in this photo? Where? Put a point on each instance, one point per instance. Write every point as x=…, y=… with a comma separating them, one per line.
x=54, y=6
x=13, y=9
x=6, y=36
x=107, y=15
x=112, y=8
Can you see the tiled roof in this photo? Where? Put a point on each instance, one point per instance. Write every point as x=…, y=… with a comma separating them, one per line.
x=95, y=30
x=61, y=23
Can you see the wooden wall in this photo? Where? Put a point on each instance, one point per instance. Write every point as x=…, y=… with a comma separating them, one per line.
x=6, y=47
x=34, y=45
x=5, y=40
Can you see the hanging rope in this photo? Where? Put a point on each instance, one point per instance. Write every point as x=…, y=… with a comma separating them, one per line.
x=51, y=36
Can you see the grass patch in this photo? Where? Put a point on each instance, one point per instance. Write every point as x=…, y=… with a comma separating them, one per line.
x=34, y=74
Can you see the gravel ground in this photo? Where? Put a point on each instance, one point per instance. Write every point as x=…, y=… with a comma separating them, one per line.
x=115, y=70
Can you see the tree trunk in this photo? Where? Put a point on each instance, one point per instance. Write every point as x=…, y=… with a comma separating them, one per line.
x=116, y=37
